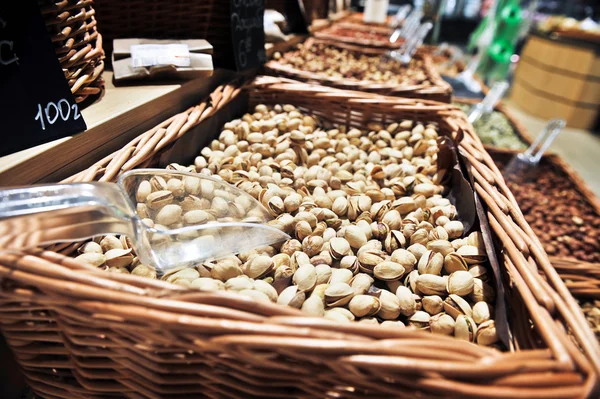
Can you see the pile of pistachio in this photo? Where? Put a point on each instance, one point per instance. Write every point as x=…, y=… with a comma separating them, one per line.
x=374, y=241
x=495, y=129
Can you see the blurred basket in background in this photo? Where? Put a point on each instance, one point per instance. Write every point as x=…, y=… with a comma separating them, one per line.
x=71, y=25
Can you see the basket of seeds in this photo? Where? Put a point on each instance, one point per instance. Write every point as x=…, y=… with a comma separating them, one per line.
x=402, y=258
x=499, y=128
x=352, y=67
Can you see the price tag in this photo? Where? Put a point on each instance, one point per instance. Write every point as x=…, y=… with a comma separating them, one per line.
x=145, y=55
x=36, y=105
x=248, y=33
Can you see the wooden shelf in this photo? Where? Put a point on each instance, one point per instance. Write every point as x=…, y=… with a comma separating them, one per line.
x=117, y=117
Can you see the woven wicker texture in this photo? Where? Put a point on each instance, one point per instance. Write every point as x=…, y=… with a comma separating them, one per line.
x=439, y=89
x=71, y=25
x=372, y=36
x=153, y=19
x=81, y=332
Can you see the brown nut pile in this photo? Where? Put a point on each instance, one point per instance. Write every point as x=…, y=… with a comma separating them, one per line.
x=373, y=241
x=591, y=310
x=335, y=62
x=561, y=217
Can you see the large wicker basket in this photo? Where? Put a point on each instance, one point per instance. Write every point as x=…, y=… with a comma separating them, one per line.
x=439, y=89
x=72, y=28
x=79, y=332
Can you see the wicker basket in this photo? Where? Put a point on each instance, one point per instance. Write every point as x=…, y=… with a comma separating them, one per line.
x=517, y=126
x=335, y=33
x=71, y=25
x=79, y=332
x=439, y=89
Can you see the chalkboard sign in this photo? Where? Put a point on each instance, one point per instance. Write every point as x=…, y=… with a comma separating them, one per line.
x=248, y=33
x=36, y=104
x=296, y=17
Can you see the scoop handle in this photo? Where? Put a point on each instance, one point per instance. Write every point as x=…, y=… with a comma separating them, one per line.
x=401, y=15
x=489, y=102
x=46, y=214
x=544, y=140
x=414, y=42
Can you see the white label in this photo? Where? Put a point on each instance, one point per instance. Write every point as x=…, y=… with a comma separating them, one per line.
x=376, y=11
x=145, y=55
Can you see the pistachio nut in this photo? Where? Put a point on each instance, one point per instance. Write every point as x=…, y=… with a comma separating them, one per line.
x=482, y=291
x=323, y=273
x=312, y=245
x=282, y=278
x=361, y=283
x=482, y=312
x=196, y=217
x=405, y=258
x=207, y=284
x=340, y=315
x=430, y=284
x=355, y=236
x=388, y=271
x=480, y=272
x=394, y=240
x=454, y=305
x=369, y=259
x=144, y=271
x=442, y=323
x=267, y=289
x=340, y=276
x=444, y=247
x=454, y=262
x=90, y=248
x=144, y=189
x=392, y=219
x=350, y=263
x=110, y=242
x=305, y=277
x=225, y=270
x=432, y=304
x=92, y=258
x=292, y=296
x=158, y=199
x=420, y=320
x=390, y=306
x=239, y=283
x=118, y=257
x=431, y=263
x=471, y=254
x=364, y=305
x=338, y=294
x=314, y=306
x=169, y=214
x=417, y=250
x=259, y=267
x=465, y=328
x=486, y=333
x=392, y=324
x=460, y=283
x=408, y=305
x=339, y=247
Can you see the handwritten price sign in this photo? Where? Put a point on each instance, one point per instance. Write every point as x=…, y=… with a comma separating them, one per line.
x=36, y=105
x=248, y=33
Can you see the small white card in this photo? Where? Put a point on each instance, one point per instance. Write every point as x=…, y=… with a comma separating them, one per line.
x=145, y=55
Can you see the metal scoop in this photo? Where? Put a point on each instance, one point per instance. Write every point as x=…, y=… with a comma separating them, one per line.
x=466, y=77
x=410, y=46
x=172, y=218
x=400, y=15
x=522, y=167
x=488, y=103
x=409, y=27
